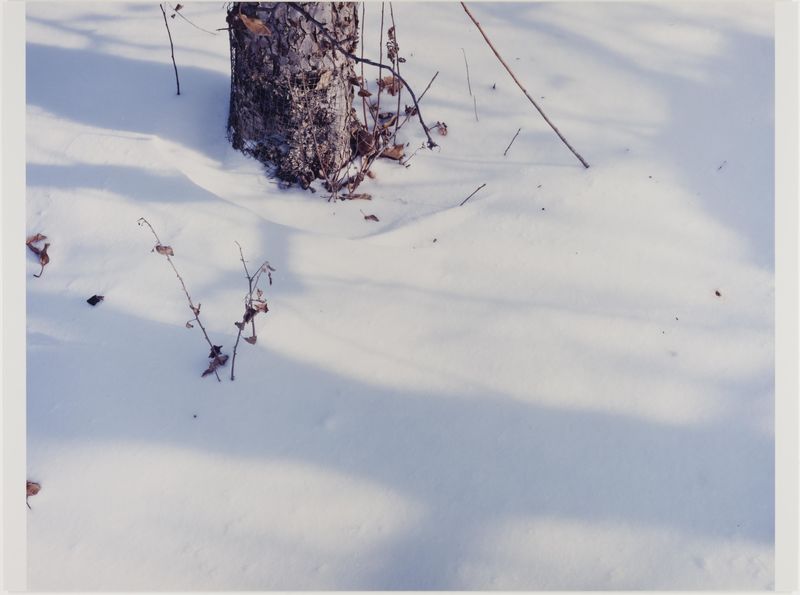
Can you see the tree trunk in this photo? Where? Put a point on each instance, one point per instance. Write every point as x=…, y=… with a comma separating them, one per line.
x=291, y=93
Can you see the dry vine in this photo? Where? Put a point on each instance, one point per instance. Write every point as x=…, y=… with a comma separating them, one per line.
x=215, y=355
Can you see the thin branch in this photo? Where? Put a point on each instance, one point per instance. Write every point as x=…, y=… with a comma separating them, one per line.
x=180, y=14
x=511, y=143
x=420, y=99
x=355, y=58
x=380, y=83
x=469, y=86
x=397, y=66
x=471, y=195
x=475, y=105
x=519, y=84
x=429, y=85
x=363, y=80
x=171, y=48
x=195, y=309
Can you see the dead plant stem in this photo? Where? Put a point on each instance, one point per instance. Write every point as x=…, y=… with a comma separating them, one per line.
x=519, y=84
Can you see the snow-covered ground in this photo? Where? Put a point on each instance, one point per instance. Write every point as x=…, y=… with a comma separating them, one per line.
x=538, y=389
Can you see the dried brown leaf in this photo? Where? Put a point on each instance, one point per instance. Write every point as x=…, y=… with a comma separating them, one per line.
x=189, y=324
x=390, y=84
x=164, y=250
x=364, y=93
x=44, y=259
x=261, y=306
x=35, y=238
x=256, y=26
x=95, y=299
x=248, y=314
x=441, y=128
x=371, y=218
x=361, y=196
x=215, y=363
x=395, y=152
x=251, y=340
x=33, y=488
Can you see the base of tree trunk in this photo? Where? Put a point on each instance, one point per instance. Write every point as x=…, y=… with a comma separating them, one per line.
x=291, y=93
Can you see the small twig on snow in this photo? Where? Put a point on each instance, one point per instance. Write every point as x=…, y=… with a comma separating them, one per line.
x=471, y=195
x=251, y=306
x=519, y=84
x=511, y=143
x=469, y=86
x=171, y=48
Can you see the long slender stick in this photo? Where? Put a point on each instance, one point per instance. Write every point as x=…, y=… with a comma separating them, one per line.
x=519, y=84
x=355, y=58
x=469, y=86
x=397, y=66
x=471, y=195
x=512, y=142
x=171, y=48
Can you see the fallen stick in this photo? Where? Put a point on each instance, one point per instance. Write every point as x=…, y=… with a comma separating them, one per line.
x=512, y=142
x=519, y=84
x=473, y=194
x=171, y=48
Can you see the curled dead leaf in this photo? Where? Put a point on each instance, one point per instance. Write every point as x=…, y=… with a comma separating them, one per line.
x=251, y=340
x=364, y=93
x=32, y=489
x=164, y=250
x=390, y=84
x=215, y=363
x=32, y=240
x=371, y=218
x=395, y=152
x=44, y=259
x=254, y=25
x=189, y=324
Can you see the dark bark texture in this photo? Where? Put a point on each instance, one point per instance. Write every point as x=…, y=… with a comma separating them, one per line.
x=291, y=92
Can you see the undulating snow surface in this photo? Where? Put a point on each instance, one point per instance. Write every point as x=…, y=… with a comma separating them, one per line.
x=538, y=389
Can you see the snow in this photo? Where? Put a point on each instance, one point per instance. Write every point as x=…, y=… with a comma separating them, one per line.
x=537, y=390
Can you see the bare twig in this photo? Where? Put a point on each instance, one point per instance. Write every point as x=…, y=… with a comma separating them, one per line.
x=380, y=85
x=519, y=84
x=355, y=58
x=397, y=66
x=469, y=86
x=180, y=14
x=408, y=116
x=511, y=143
x=251, y=306
x=429, y=85
x=363, y=80
x=475, y=105
x=171, y=48
x=471, y=195
x=165, y=251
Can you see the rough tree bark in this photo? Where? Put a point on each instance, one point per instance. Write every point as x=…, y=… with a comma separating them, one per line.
x=291, y=92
